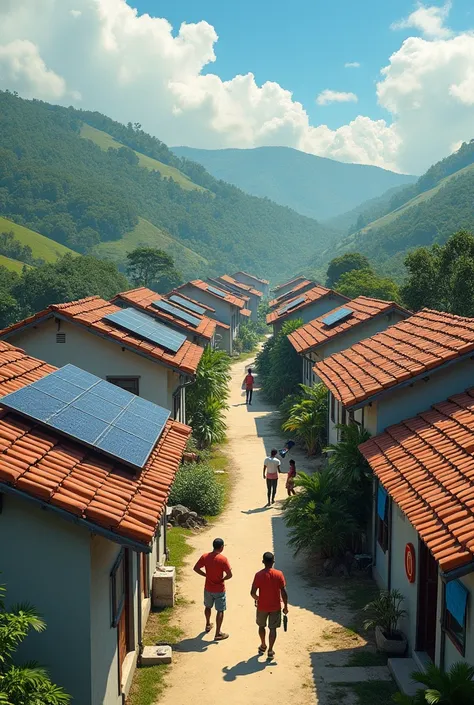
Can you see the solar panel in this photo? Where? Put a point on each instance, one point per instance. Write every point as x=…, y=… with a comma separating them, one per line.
x=146, y=327
x=175, y=311
x=187, y=304
x=86, y=408
x=217, y=292
x=292, y=304
x=337, y=316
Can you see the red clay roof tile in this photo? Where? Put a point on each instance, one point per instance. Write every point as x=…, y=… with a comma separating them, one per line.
x=315, y=294
x=252, y=276
x=245, y=288
x=204, y=286
x=291, y=293
x=294, y=281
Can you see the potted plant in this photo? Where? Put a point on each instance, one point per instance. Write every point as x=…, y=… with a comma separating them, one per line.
x=384, y=615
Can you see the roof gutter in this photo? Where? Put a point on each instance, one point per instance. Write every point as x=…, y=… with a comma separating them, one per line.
x=457, y=572
x=92, y=528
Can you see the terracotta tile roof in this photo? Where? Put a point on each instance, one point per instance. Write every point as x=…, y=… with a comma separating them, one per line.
x=294, y=281
x=315, y=333
x=405, y=350
x=315, y=294
x=229, y=298
x=239, y=285
x=89, y=313
x=291, y=293
x=245, y=312
x=426, y=464
x=252, y=276
x=142, y=298
x=65, y=474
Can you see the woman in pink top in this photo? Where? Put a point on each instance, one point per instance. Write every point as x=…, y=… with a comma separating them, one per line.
x=290, y=479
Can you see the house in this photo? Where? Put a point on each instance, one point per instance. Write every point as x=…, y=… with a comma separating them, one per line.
x=299, y=288
x=193, y=306
x=176, y=313
x=307, y=306
x=253, y=296
x=156, y=363
x=82, y=529
x=424, y=527
x=282, y=289
x=342, y=327
x=405, y=368
x=228, y=308
x=262, y=285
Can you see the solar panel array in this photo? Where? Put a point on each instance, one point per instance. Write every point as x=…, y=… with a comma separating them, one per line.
x=292, y=304
x=337, y=316
x=88, y=409
x=146, y=327
x=217, y=292
x=162, y=305
x=190, y=305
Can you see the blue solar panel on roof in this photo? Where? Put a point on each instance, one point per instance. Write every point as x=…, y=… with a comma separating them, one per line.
x=217, y=292
x=146, y=327
x=102, y=416
x=337, y=316
x=162, y=305
x=291, y=305
x=187, y=304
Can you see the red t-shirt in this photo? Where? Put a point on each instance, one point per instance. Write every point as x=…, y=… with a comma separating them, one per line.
x=216, y=566
x=249, y=382
x=269, y=583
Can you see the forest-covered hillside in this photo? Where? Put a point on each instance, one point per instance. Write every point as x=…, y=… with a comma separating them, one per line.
x=69, y=189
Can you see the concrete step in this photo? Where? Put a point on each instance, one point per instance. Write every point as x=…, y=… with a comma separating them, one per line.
x=422, y=660
x=401, y=670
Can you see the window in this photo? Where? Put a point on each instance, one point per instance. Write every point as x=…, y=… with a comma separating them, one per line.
x=118, y=588
x=332, y=402
x=455, y=614
x=60, y=337
x=130, y=384
x=382, y=519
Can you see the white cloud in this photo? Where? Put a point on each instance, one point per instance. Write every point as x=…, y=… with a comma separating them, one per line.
x=352, y=65
x=326, y=97
x=137, y=68
x=428, y=19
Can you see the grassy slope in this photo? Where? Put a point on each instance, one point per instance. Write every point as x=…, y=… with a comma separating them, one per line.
x=12, y=264
x=105, y=141
x=147, y=235
x=42, y=247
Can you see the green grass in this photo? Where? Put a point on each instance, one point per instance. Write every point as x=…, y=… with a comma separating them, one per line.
x=41, y=246
x=105, y=142
x=145, y=234
x=367, y=658
x=372, y=692
x=12, y=264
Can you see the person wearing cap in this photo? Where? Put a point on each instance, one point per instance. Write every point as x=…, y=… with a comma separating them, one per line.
x=269, y=591
x=216, y=571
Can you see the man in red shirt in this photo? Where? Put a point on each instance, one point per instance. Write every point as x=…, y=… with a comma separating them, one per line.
x=217, y=571
x=268, y=591
x=249, y=382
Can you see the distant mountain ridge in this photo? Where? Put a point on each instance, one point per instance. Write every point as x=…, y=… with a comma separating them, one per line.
x=314, y=186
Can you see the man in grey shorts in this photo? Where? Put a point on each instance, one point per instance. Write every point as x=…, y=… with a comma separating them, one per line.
x=268, y=591
x=217, y=571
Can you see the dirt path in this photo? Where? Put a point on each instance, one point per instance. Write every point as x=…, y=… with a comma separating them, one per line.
x=230, y=673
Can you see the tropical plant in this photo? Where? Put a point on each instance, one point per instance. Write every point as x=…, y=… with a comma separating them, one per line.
x=28, y=684
x=346, y=458
x=197, y=488
x=454, y=687
x=385, y=612
x=206, y=398
x=279, y=365
x=247, y=338
x=207, y=421
x=307, y=417
x=319, y=515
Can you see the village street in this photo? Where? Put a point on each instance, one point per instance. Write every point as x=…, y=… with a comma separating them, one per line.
x=205, y=672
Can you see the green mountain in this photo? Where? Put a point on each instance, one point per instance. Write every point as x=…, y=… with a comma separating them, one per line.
x=313, y=186
x=439, y=204
x=41, y=247
x=86, y=181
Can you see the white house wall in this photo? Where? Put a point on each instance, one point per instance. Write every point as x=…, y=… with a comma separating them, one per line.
x=402, y=532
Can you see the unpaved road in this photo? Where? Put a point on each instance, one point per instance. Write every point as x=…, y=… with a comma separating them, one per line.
x=229, y=673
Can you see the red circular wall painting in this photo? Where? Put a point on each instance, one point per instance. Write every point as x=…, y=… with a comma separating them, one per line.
x=410, y=562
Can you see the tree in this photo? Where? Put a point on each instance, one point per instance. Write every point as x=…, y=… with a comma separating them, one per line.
x=279, y=365
x=307, y=417
x=345, y=263
x=28, y=684
x=364, y=282
x=148, y=266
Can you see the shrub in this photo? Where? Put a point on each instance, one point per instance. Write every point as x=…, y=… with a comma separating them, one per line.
x=307, y=417
x=279, y=365
x=206, y=398
x=197, y=488
x=247, y=338
x=454, y=687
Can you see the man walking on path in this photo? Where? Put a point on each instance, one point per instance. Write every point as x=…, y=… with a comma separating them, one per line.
x=268, y=591
x=271, y=468
x=249, y=381
x=217, y=571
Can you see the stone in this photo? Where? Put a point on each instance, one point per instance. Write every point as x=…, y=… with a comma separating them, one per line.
x=163, y=587
x=155, y=655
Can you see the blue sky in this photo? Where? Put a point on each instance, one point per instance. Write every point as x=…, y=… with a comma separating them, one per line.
x=304, y=44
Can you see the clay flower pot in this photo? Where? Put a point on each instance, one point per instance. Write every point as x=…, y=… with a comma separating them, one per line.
x=396, y=645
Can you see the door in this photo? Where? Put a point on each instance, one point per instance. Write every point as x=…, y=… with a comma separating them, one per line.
x=123, y=626
x=427, y=601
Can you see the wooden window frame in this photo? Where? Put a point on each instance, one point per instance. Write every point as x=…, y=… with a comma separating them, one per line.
x=130, y=378
x=117, y=595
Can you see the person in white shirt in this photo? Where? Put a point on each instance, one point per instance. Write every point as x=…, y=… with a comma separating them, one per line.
x=271, y=468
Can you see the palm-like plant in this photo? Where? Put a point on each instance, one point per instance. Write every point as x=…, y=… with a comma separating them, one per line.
x=385, y=612
x=307, y=417
x=346, y=458
x=206, y=398
x=208, y=423
x=28, y=684
x=455, y=687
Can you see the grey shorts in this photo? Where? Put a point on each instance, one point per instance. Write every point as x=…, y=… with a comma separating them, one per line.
x=273, y=619
x=215, y=599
